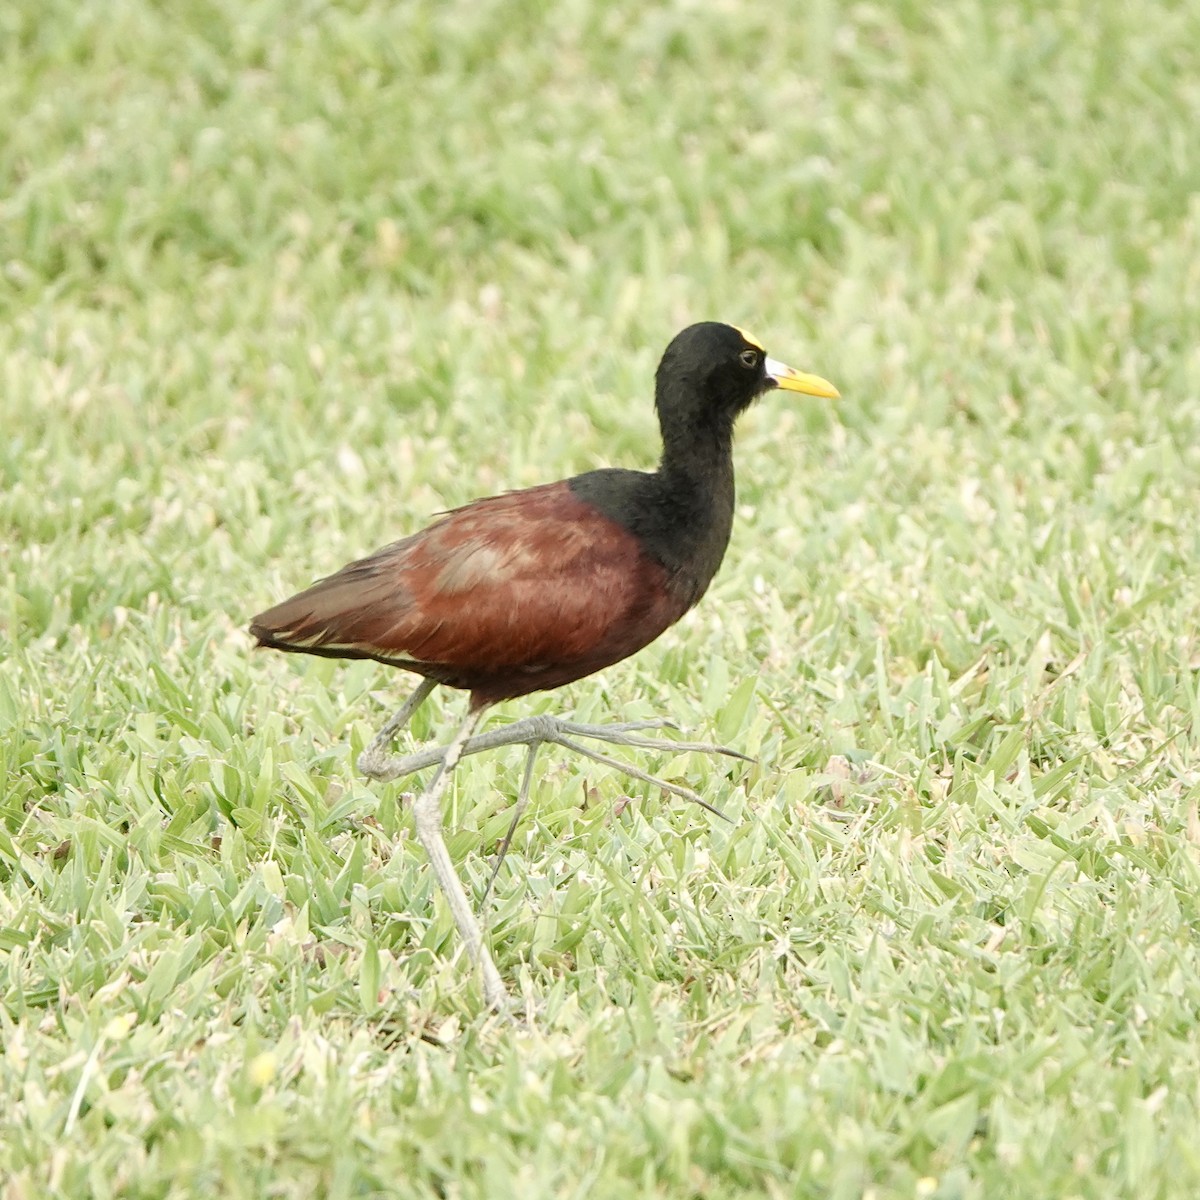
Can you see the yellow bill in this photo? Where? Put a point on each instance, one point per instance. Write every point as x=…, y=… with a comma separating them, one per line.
x=797, y=381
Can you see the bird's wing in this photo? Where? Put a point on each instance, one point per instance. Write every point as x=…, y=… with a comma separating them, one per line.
x=518, y=581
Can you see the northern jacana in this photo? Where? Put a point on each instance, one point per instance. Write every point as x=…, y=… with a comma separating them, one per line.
x=534, y=589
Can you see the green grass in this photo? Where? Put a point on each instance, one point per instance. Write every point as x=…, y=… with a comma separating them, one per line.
x=277, y=281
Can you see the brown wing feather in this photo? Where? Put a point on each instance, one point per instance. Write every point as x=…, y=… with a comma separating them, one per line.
x=508, y=595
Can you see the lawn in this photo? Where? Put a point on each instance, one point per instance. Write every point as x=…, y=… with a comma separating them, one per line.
x=278, y=281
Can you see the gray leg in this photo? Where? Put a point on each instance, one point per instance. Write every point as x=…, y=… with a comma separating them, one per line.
x=518, y=812
x=427, y=817
x=532, y=732
x=372, y=762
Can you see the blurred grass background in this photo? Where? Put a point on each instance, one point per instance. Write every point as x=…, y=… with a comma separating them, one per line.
x=277, y=281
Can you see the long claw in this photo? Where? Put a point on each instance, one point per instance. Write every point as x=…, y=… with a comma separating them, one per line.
x=674, y=788
x=618, y=736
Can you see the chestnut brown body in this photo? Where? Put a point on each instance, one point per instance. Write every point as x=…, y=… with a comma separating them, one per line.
x=505, y=596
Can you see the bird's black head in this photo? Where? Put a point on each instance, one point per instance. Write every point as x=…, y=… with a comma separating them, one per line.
x=711, y=372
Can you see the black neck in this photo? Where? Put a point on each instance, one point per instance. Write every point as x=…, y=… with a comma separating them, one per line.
x=683, y=512
x=697, y=455
x=695, y=480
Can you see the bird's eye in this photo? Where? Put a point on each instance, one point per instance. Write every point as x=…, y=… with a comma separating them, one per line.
x=749, y=358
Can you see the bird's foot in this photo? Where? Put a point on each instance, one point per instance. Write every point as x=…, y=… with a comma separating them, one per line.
x=547, y=729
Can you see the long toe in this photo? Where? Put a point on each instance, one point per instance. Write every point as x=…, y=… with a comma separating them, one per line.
x=624, y=735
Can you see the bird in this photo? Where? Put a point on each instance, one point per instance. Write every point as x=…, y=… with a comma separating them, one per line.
x=534, y=589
